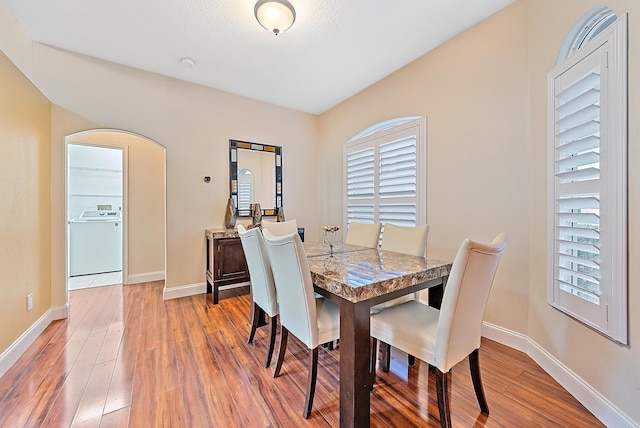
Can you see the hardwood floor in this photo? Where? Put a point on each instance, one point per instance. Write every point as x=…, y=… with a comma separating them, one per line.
x=126, y=358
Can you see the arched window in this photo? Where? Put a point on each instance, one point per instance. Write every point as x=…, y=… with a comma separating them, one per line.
x=588, y=27
x=382, y=126
x=587, y=123
x=385, y=173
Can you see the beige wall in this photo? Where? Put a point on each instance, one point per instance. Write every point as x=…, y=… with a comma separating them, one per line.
x=25, y=121
x=145, y=198
x=612, y=369
x=474, y=92
x=63, y=123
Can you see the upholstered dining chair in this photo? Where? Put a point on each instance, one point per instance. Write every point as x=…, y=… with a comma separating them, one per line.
x=280, y=228
x=364, y=235
x=263, y=290
x=405, y=240
x=442, y=338
x=313, y=321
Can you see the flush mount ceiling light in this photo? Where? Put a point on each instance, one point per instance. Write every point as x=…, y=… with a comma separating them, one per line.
x=275, y=15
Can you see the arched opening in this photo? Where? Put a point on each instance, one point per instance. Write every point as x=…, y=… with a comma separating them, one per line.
x=138, y=210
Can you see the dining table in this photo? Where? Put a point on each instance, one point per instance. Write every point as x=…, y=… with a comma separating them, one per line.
x=357, y=278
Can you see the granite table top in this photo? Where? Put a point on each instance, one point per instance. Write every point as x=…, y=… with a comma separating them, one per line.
x=361, y=275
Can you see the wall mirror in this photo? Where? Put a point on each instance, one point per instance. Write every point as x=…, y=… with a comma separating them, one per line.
x=255, y=176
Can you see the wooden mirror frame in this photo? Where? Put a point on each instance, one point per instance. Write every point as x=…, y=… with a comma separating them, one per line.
x=234, y=146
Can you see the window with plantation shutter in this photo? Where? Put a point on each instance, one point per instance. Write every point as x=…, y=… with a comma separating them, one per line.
x=386, y=175
x=587, y=154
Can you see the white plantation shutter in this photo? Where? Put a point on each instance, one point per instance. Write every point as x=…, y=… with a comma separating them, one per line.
x=398, y=168
x=587, y=152
x=398, y=214
x=577, y=171
x=361, y=213
x=245, y=180
x=360, y=174
x=398, y=182
x=386, y=177
x=360, y=185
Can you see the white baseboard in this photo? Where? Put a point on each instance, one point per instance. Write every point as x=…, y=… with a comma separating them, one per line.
x=60, y=312
x=506, y=337
x=17, y=348
x=137, y=278
x=588, y=396
x=184, y=291
x=193, y=289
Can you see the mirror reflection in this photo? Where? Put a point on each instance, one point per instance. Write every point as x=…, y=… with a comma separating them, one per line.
x=256, y=179
x=255, y=176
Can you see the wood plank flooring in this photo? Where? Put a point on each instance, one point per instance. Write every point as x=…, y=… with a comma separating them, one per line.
x=126, y=358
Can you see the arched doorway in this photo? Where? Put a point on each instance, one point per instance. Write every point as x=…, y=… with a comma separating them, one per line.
x=140, y=209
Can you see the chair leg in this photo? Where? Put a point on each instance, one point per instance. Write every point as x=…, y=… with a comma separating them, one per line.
x=272, y=341
x=255, y=309
x=474, y=366
x=311, y=382
x=372, y=362
x=442, y=389
x=284, y=335
x=386, y=356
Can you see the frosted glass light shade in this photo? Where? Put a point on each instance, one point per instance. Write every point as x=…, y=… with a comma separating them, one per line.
x=275, y=15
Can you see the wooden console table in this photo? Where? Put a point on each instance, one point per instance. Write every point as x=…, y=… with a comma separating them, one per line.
x=226, y=263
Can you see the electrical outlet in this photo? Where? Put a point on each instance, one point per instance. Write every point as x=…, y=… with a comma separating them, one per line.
x=29, y=302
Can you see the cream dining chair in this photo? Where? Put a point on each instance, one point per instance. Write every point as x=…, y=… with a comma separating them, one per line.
x=313, y=321
x=442, y=338
x=280, y=228
x=405, y=240
x=263, y=290
x=364, y=235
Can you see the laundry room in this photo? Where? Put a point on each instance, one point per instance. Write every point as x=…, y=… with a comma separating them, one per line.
x=94, y=215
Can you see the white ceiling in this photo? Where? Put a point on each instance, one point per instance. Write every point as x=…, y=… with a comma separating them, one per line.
x=335, y=48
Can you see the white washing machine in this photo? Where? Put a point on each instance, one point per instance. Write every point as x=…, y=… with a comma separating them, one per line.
x=95, y=241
